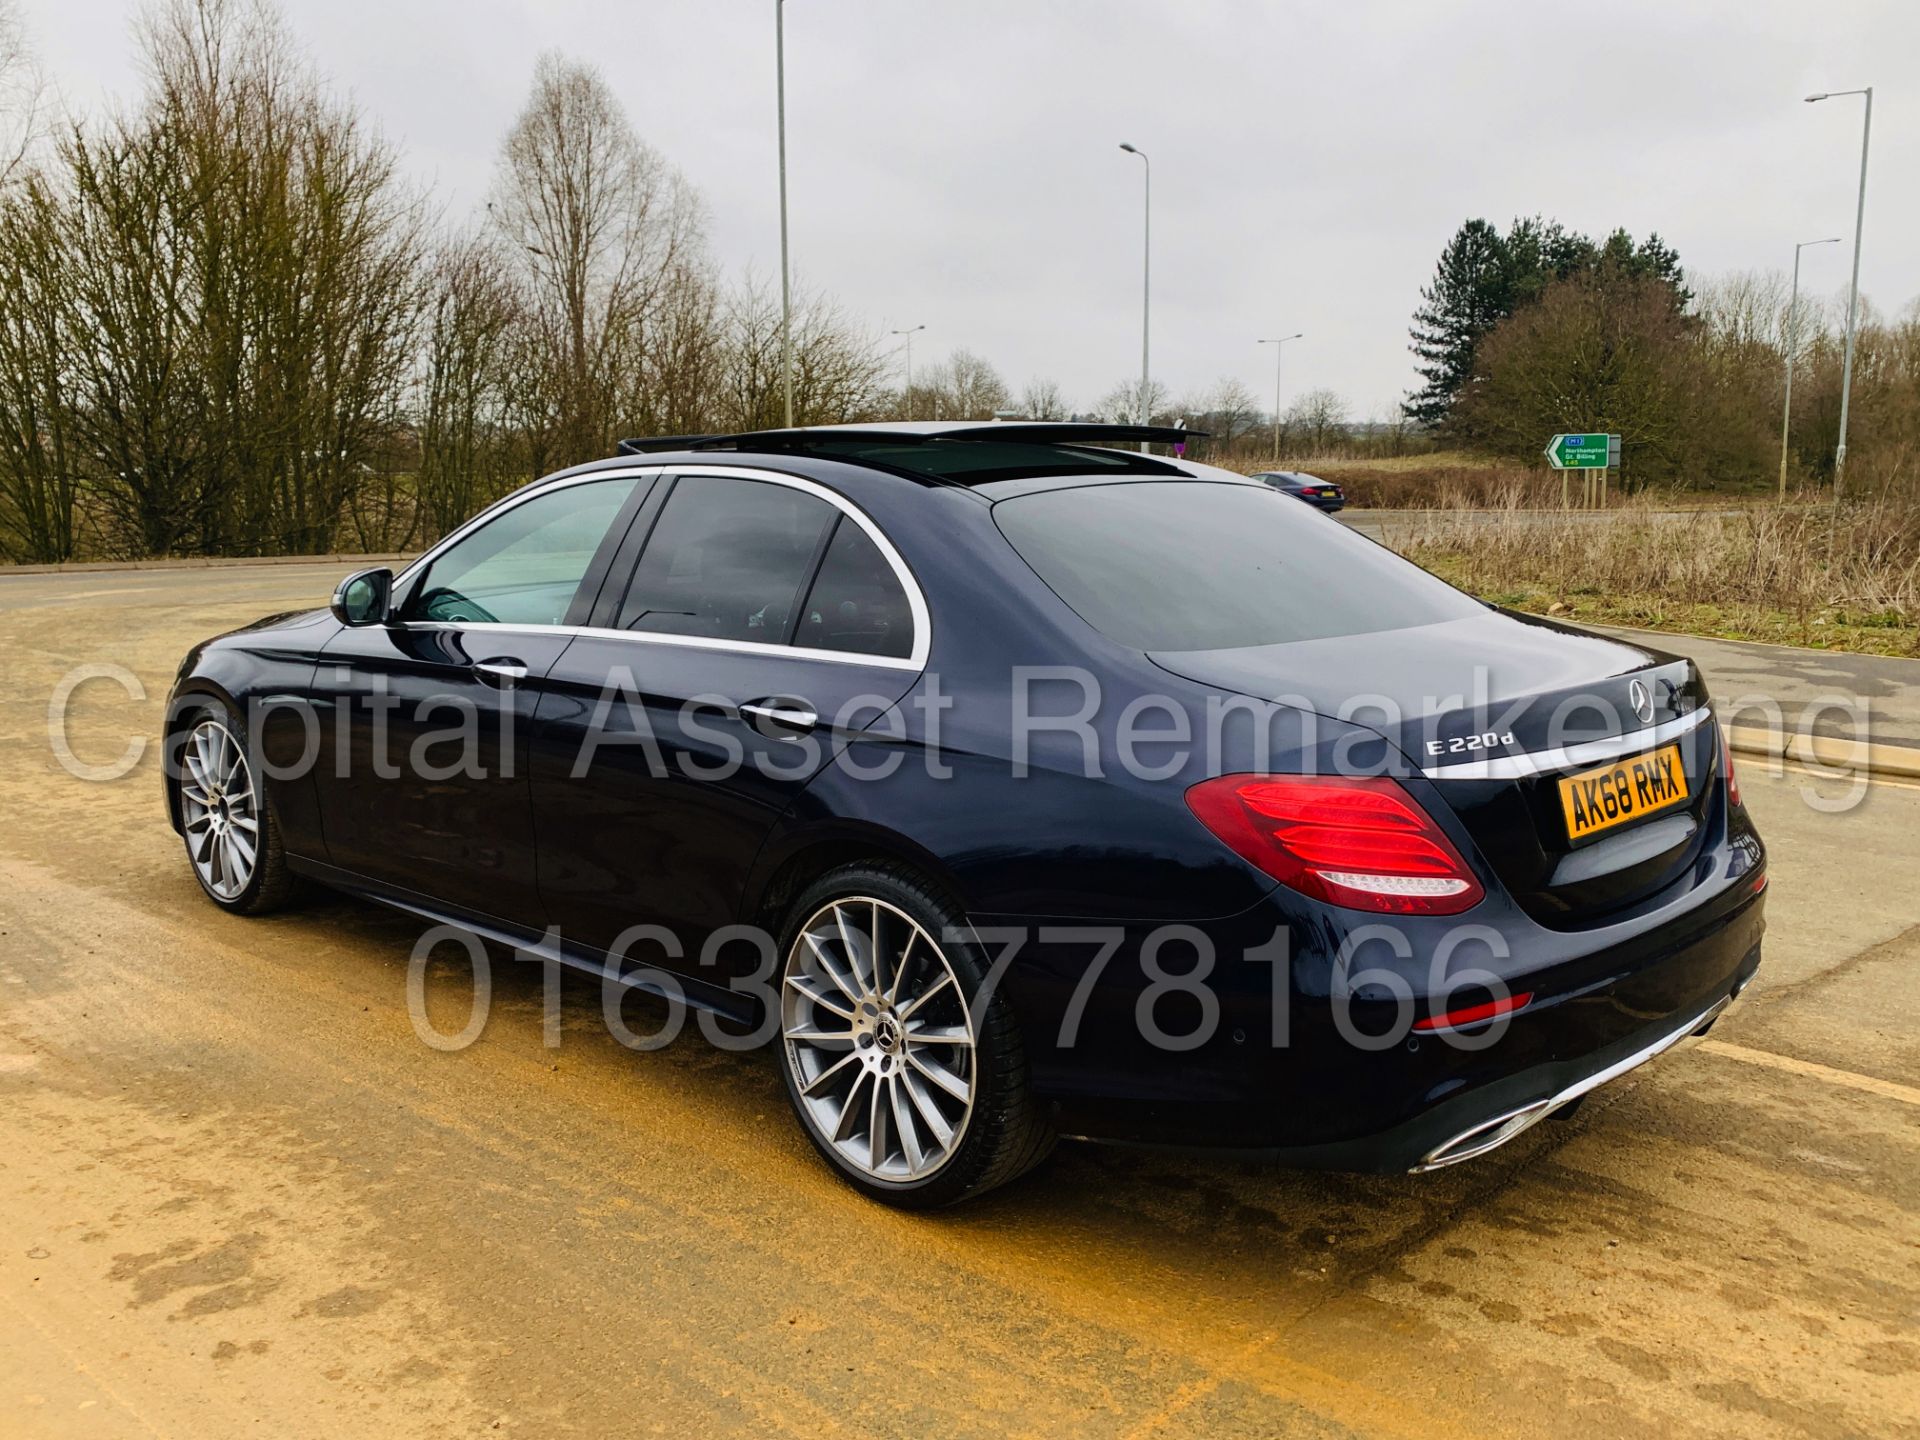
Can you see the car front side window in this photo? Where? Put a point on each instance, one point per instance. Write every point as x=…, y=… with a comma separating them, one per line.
x=523, y=567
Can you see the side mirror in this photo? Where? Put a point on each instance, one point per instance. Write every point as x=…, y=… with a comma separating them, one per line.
x=363, y=598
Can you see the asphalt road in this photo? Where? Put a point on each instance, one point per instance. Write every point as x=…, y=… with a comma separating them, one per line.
x=237, y=1194
x=1826, y=692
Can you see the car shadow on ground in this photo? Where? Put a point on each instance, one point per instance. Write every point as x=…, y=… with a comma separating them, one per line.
x=1172, y=1210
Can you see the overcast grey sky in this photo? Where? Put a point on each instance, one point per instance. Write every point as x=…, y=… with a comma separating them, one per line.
x=956, y=164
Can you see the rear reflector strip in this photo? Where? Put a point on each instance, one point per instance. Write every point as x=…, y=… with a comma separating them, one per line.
x=1475, y=1014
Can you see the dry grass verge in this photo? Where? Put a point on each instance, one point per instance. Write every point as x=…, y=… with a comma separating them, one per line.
x=1792, y=575
x=1453, y=479
x=1405, y=482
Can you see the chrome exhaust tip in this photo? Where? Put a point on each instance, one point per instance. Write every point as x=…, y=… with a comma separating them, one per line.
x=1489, y=1135
x=1492, y=1134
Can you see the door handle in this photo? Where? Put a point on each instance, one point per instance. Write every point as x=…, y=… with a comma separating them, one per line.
x=502, y=672
x=772, y=714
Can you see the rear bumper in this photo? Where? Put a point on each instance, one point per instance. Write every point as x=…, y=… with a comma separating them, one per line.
x=1318, y=1101
x=1490, y=1134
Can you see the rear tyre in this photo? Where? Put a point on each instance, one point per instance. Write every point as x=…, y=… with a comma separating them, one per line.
x=908, y=1086
x=233, y=840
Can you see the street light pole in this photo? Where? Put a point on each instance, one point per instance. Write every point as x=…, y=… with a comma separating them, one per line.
x=1146, y=287
x=906, y=396
x=1853, y=294
x=786, y=282
x=1793, y=349
x=1278, y=346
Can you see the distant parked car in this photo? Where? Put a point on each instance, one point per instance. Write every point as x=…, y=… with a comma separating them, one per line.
x=1321, y=494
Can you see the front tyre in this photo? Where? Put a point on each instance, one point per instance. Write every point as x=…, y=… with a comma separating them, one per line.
x=232, y=838
x=911, y=1089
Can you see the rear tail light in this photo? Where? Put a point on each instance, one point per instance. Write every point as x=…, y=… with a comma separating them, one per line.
x=1726, y=768
x=1362, y=843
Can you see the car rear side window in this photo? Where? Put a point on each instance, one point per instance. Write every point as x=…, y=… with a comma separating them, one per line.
x=726, y=560
x=857, y=603
x=1193, y=565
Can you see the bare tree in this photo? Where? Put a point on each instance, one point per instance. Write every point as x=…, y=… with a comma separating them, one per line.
x=307, y=258
x=1121, y=405
x=973, y=389
x=749, y=396
x=1233, y=404
x=240, y=294
x=1231, y=413
x=1042, y=400
x=839, y=370
x=1392, y=432
x=602, y=228
x=678, y=382
x=465, y=414
x=1317, y=420
x=22, y=95
x=38, y=489
x=141, y=411
x=38, y=484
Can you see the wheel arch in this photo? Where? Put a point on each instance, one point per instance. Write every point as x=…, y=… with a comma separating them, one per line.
x=789, y=863
x=189, y=696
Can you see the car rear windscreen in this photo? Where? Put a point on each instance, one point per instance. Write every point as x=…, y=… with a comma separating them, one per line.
x=1193, y=565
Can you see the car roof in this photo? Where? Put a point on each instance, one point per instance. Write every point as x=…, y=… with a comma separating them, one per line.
x=853, y=459
x=989, y=461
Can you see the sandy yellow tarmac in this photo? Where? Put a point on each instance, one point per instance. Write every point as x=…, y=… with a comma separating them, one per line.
x=238, y=1195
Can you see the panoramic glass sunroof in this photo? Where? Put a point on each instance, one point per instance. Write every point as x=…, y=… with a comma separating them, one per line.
x=975, y=462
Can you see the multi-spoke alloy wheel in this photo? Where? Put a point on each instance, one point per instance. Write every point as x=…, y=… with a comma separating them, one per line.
x=219, y=809
x=879, y=1039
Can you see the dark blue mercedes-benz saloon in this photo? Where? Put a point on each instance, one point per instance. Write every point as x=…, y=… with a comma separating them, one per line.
x=1009, y=787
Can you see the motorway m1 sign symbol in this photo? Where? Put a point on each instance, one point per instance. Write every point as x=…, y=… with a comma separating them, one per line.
x=1583, y=452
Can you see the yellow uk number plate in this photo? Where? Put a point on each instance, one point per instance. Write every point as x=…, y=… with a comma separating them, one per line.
x=1596, y=800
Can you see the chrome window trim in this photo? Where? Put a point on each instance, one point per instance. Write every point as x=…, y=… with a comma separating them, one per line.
x=916, y=601
x=514, y=502
x=691, y=642
x=1570, y=757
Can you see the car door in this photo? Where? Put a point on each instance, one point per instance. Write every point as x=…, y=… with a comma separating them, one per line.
x=423, y=783
x=763, y=621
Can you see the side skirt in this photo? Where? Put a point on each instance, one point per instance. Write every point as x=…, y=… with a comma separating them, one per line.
x=701, y=994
